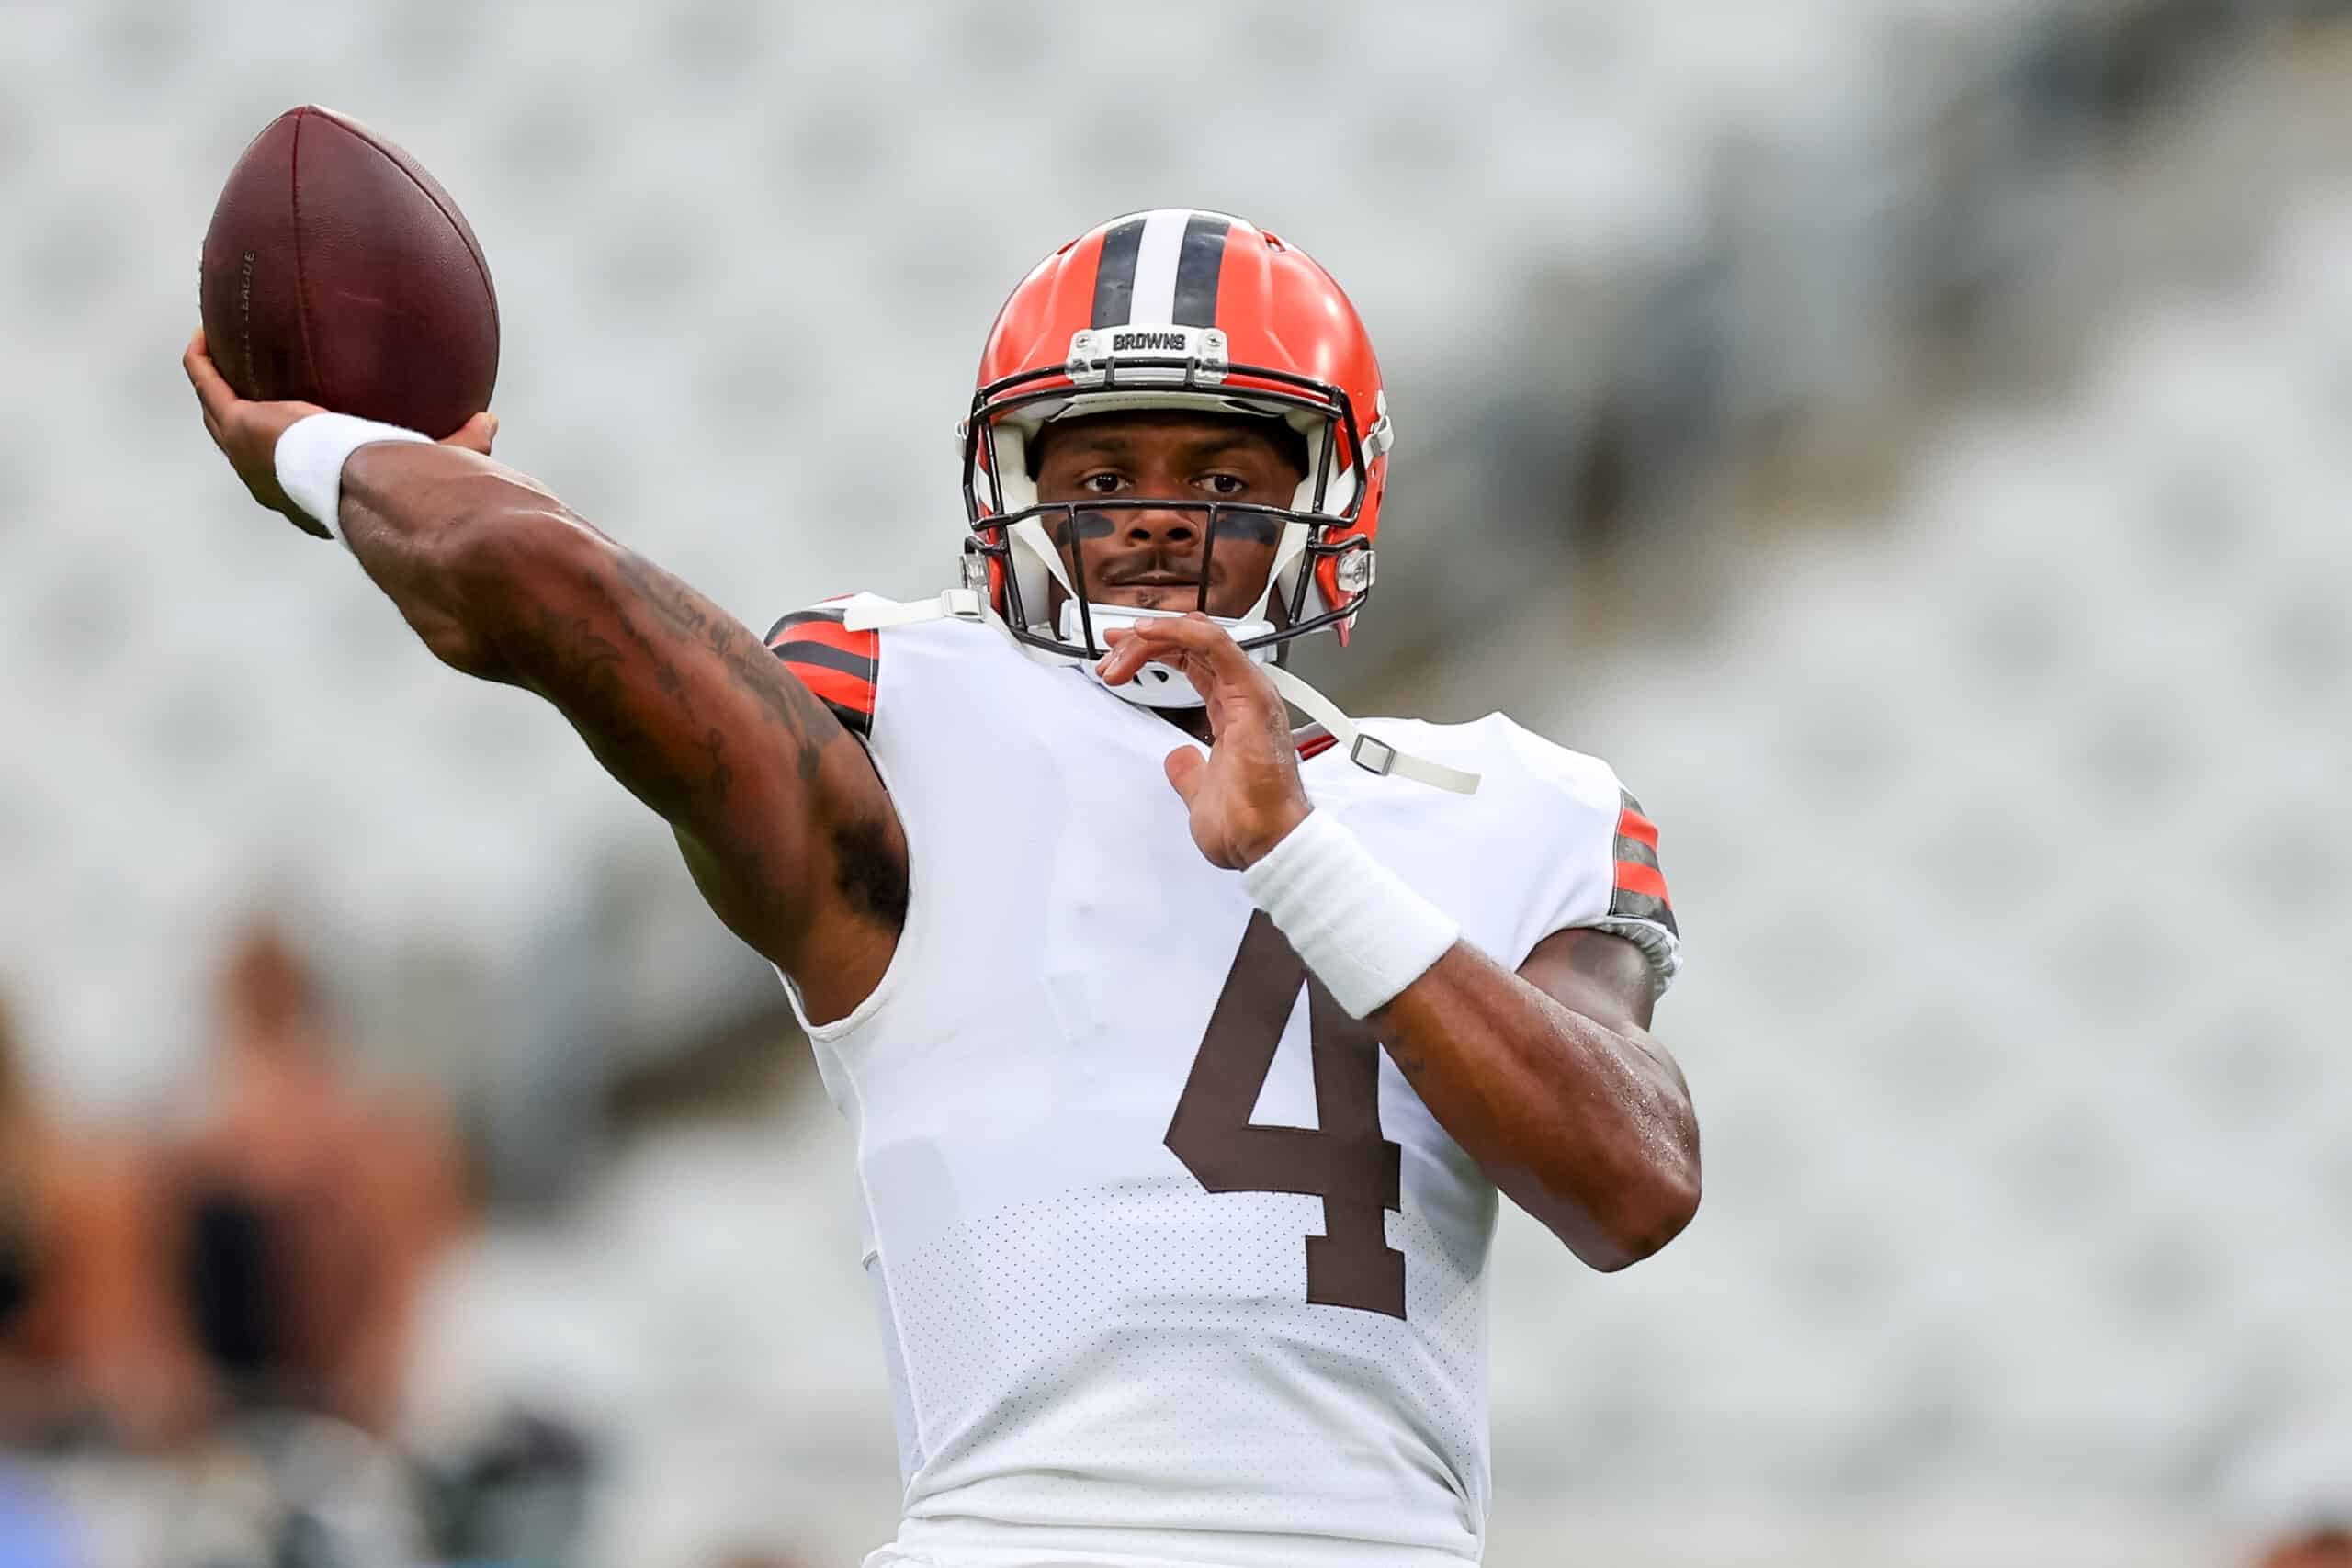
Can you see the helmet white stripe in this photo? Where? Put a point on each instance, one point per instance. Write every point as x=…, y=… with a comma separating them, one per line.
x=1163, y=246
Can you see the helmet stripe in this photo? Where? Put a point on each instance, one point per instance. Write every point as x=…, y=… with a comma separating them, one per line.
x=1197, y=268
x=1114, y=274
x=1160, y=268
x=1163, y=242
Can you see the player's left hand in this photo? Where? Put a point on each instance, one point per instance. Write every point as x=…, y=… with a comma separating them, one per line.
x=1244, y=795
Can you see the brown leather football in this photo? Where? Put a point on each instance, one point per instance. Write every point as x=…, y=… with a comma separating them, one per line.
x=338, y=272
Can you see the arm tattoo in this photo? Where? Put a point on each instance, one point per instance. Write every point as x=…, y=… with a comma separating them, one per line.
x=655, y=615
x=714, y=745
x=792, y=705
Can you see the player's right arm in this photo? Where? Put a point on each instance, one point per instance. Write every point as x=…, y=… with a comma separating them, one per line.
x=779, y=812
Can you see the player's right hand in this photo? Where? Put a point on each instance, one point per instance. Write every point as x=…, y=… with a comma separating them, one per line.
x=247, y=433
x=1245, y=796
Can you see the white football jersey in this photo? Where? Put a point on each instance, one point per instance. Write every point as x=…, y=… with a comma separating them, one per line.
x=1173, y=1266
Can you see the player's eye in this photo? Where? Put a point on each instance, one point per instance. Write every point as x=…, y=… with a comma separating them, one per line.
x=1100, y=483
x=1226, y=484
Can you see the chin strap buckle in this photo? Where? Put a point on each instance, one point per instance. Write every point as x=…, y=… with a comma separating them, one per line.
x=1373, y=754
x=1369, y=752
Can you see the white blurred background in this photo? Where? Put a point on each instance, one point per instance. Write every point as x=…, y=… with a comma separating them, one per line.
x=1911, y=439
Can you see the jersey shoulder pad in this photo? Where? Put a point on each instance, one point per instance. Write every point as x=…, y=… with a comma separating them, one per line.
x=1638, y=907
x=842, y=667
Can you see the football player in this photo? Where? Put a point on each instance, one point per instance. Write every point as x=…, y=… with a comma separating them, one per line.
x=1186, y=1053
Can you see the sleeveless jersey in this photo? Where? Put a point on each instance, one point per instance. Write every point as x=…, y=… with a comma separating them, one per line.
x=1171, y=1264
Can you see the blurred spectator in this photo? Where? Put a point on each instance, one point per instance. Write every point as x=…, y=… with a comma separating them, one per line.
x=312, y=1209
x=518, y=1495
x=2329, y=1545
x=89, y=1346
x=2293, y=1490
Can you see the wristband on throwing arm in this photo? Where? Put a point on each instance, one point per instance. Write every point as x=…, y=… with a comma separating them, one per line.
x=310, y=455
x=1365, y=933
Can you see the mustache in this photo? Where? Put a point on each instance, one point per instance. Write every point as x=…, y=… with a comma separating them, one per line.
x=1126, y=573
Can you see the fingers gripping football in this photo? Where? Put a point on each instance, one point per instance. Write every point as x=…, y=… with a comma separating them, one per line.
x=1244, y=795
x=247, y=432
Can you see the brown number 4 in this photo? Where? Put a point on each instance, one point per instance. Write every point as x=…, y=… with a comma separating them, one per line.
x=1344, y=1161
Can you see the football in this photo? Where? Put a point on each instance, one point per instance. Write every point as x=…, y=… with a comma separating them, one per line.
x=336, y=271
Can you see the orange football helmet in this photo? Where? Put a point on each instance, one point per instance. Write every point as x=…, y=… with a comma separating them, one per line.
x=1179, y=309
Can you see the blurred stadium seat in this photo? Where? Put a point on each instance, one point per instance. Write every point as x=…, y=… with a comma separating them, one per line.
x=2014, y=812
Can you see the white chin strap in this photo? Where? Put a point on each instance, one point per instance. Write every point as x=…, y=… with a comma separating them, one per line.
x=1369, y=752
x=1037, y=560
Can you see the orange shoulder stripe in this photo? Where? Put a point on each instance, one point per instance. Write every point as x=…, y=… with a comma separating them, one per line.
x=1633, y=876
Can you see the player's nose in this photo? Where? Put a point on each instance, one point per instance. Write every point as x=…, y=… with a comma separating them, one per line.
x=1162, y=525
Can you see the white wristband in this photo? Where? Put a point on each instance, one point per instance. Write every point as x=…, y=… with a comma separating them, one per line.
x=1365, y=933
x=310, y=455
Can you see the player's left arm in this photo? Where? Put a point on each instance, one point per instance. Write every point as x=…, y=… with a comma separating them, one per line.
x=1552, y=1081
x=1548, y=1077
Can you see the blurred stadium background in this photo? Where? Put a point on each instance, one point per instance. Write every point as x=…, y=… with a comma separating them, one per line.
x=1911, y=439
